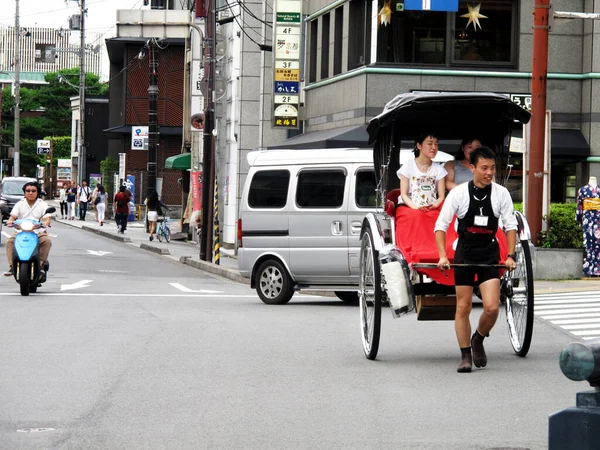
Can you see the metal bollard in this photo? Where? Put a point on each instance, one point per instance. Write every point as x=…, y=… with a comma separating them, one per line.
x=579, y=428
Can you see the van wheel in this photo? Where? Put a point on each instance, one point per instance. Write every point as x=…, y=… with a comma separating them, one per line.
x=350, y=298
x=273, y=284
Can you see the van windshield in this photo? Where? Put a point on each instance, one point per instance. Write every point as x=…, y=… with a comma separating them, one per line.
x=13, y=187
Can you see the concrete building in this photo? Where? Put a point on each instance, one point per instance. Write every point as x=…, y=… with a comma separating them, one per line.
x=49, y=50
x=355, y=64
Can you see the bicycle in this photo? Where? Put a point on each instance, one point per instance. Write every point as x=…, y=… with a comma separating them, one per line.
x=163, y=230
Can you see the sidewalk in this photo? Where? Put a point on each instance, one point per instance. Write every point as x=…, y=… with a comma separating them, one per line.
x=189, y=253
x=185, y=252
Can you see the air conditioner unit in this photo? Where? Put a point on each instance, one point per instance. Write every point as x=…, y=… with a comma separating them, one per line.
x=75, y=22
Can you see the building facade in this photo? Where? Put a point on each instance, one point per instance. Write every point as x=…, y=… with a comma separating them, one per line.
x=352, y=48
x=48, y=50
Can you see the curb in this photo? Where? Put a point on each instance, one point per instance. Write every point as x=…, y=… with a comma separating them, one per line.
x=159, y=250
x=213, y=268
x=106, y=234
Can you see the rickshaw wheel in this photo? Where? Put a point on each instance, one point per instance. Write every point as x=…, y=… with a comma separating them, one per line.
x=517, y=293
x=369, y=295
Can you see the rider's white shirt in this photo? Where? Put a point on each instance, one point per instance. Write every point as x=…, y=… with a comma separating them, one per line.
x=457, y=202
x=22, y=210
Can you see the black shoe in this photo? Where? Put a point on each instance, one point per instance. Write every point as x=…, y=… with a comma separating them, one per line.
x=9, y=272
x=479, y=356
x=46, y=266
x=466, y=364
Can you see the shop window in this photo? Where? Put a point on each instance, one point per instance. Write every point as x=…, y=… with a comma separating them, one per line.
x=430, y=37
x=359, y=40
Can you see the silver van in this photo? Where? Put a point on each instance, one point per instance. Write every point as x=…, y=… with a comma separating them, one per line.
x=300, y=217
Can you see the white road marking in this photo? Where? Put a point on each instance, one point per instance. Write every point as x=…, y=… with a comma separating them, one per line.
x=98, y=252
x=577, y=313
x=137, y=295
x=182, y=288
x=77, y=285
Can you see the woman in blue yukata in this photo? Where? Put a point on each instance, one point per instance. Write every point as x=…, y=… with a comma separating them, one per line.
x=588, y=216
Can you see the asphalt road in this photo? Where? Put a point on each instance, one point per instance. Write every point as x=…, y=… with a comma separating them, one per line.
x=123, y=348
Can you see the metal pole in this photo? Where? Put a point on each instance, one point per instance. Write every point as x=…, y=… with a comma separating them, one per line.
x=152, y=119
x=81, y=143
x=538, y=116
x=208, y=144
x=17, y=105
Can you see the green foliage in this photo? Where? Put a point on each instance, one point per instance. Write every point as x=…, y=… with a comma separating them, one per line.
x=563, y=230
x=108, y=167
x=52, y=101
x=61, y=148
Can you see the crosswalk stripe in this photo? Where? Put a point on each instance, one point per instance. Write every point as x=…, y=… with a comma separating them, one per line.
x=577, y=313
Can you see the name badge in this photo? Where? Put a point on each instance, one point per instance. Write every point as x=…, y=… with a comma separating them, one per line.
x=481, y=221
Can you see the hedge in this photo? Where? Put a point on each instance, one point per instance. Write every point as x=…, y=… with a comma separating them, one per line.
x=563, y=231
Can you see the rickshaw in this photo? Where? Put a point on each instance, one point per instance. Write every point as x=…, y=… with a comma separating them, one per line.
x=405, y=277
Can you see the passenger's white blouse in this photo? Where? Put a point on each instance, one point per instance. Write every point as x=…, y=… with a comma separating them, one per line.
x=457, y=202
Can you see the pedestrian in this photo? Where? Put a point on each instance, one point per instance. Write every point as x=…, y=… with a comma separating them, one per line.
x=100, y=203
x=71, y=194
x=62, y=200
x=84, y=195
x=121, y=208
x=155, y=209
x=478, y=205
x=422, y=182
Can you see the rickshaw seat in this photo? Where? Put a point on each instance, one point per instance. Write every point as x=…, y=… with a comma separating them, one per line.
x=415, y=238
x=391, y=200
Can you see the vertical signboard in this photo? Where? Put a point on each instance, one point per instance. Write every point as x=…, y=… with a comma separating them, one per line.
x=287, y=35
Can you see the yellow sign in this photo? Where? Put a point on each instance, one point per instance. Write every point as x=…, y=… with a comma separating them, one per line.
x=287, y=75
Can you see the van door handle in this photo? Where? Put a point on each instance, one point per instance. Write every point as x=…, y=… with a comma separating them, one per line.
x=336, y=227
x=356, y=226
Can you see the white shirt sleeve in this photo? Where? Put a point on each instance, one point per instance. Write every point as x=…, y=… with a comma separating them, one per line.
x=457, y=202
x=440, y=172
x=503, y=207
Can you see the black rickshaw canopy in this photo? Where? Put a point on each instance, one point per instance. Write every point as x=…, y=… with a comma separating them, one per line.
x=451, y=115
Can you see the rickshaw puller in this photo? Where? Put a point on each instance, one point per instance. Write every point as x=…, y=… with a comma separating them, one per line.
x=478, y=205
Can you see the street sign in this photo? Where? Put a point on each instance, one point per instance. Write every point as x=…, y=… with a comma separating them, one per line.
x=139, y=138
x=43, y=147
x=431, y=5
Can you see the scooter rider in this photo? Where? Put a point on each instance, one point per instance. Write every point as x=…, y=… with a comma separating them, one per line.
x=478, y=205
x=31, y=207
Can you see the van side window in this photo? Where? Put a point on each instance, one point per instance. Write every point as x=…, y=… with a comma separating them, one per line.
x=269, y=189
x=365, y=195
x=320, y=188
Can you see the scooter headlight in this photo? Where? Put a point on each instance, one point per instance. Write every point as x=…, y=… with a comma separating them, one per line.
x=27, y=226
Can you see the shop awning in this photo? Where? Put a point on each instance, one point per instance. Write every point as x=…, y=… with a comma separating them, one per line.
x=354, y=136
x=181, y=162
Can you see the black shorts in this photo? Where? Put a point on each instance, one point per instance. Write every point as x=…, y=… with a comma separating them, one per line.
x=474, y=276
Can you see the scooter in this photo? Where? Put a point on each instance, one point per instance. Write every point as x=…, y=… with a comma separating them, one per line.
x=26, y=255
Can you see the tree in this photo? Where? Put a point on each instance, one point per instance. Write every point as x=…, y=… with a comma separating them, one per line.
x=50, y=105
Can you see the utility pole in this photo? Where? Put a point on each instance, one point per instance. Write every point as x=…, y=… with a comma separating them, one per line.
x=208, y=141
x=81, y=143
x=152, y=118
x=17, y=105
x=541, y=11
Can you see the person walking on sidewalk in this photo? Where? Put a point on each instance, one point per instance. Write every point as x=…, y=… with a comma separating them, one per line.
x=84, y=195
x=155, y=209
x=62, y=200
x=100, y=202
x=71, y=194
x=121, y=208
x=479, y=205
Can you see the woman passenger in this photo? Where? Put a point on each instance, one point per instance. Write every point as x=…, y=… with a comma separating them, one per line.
x=459, y=170
x=422, y=184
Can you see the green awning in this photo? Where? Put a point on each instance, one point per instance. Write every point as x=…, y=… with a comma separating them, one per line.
x=181, y=162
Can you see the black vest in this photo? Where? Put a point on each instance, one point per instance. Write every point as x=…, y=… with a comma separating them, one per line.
x=477, y=242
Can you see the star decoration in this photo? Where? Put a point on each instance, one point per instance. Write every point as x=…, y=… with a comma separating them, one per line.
x=474, y=16
x=385, y=13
